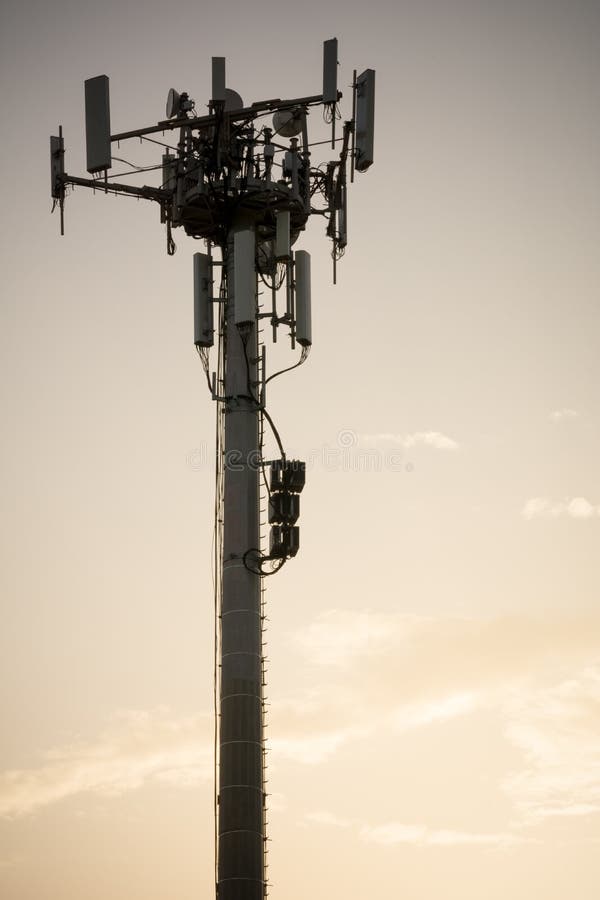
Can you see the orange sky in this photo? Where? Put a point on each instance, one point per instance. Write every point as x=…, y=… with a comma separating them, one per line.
x=434, y=649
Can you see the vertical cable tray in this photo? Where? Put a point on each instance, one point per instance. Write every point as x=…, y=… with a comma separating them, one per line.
x=263, y=505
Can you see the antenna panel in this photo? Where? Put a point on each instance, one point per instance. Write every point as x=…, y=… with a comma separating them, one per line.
x=343, y=218
x=97, y=124
x=282, y=234
x=244, y=277
x=218, y=79
x=365, y=119
x=203, y=307
x=303, y=298
x=57, y=166
x=330, y=64
x=169, y=171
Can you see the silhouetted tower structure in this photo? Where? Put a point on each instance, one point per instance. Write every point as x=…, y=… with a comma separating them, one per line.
x=242, y=179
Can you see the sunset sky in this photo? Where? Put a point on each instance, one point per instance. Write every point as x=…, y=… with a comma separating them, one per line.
x=434, y=649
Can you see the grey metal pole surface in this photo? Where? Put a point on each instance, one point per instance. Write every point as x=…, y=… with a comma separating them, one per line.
x=241, y=800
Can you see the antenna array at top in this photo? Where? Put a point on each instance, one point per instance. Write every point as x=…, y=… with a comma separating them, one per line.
x=234, y=160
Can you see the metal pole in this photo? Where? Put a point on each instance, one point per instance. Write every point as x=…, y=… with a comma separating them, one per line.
x=241, y=798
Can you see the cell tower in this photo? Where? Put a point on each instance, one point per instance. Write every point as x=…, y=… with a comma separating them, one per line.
x=242, y=179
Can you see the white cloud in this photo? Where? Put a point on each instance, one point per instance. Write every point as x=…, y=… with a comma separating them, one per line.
x=394, y=833
x=447, y=838
x=336, y=637
x=559, y=415
x=580, y=508
x=537, y=506
x=138, y=747
x=558, y=731
x=575, y=508
x=439, y=710
x=434, y=439
x=315, y=748
x=568, y=810
x=319, y=746
x=323, y=817
x=534, y=678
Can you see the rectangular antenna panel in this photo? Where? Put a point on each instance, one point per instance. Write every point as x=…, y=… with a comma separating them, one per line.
x=365, y=119
x=97, y=124
x=169, y=171
x=57, y=166
x=303, y=298
x=203, y=307
x=282, y=234
x=330, y=66
x=244, y=277
x=218, y=79
x=343, y=220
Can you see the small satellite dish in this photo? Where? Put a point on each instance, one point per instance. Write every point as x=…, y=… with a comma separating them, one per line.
x=178, y=104
x=287, y=122
x=233, y=100
x=173, y=103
